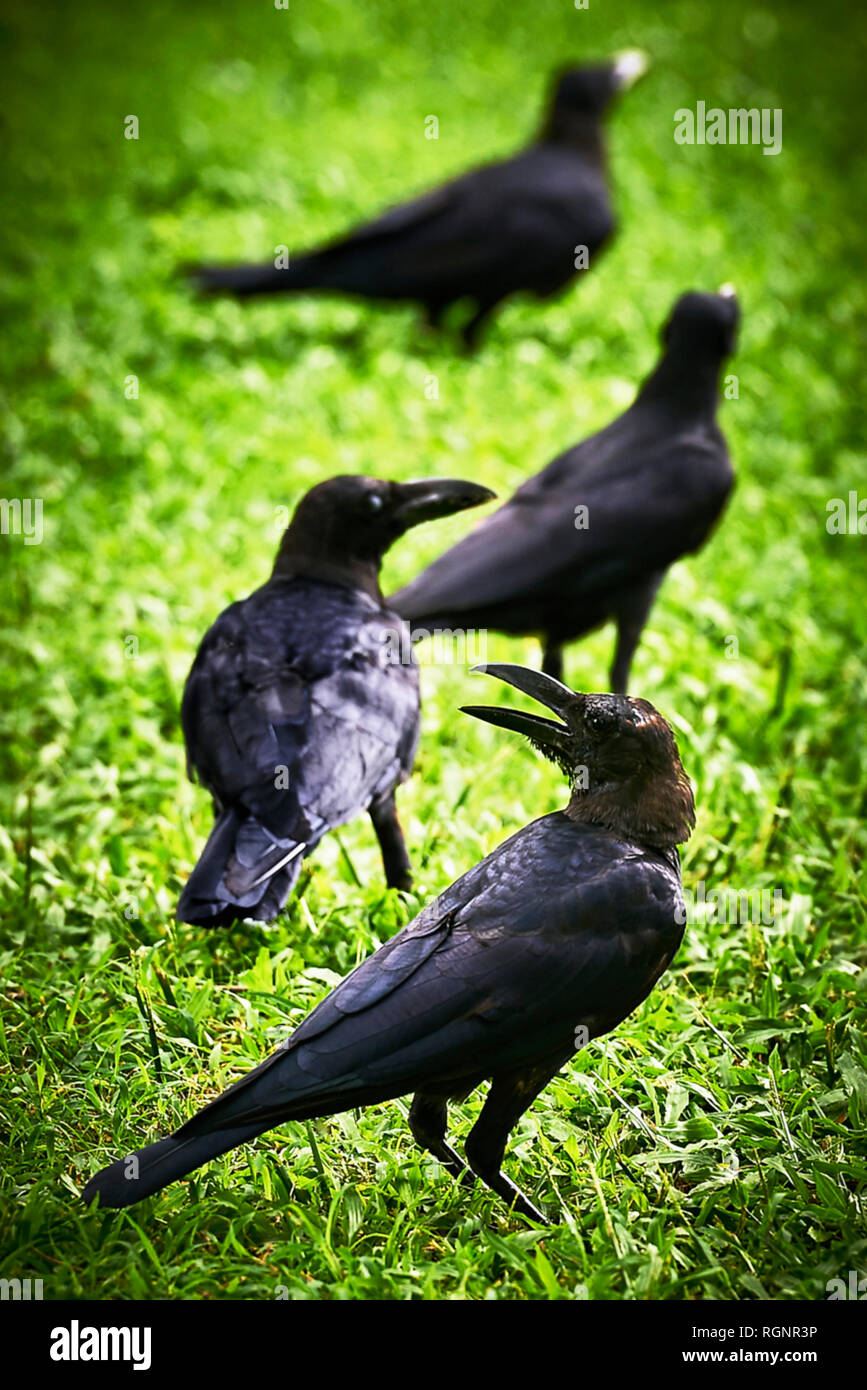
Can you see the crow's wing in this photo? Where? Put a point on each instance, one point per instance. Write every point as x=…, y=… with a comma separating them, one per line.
x=297, y=708
x=646, y=505
x=560, y=926
x=423, y=211
x=516, y=221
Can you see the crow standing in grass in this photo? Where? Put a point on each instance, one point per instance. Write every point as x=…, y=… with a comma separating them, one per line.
x=551, y=940
x=516, y=225
x=653, y=484
x=301, y=708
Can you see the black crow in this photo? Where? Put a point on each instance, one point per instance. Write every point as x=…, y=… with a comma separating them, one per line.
x=301, y=708
x=526, y=223
x=591, y=536
x=551, y=940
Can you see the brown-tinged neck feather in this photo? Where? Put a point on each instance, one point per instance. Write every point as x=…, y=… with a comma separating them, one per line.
x=657, y=810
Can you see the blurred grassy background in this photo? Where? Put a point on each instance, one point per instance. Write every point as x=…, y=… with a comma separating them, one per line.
x=714, y=1146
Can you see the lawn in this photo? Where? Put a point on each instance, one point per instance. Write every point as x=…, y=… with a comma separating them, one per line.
x=714, y=1145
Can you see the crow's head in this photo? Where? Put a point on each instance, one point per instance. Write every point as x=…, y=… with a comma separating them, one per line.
x=703, y=325
x=353, y=520
x=618, y=752
x=589, y=90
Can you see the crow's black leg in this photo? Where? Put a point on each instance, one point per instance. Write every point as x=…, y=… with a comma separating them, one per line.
x=472, y=329
x=510, y=1095
x=395, y=860
x=631, y=617
x=552, y=660
x=428, y=1117
x=433, y=313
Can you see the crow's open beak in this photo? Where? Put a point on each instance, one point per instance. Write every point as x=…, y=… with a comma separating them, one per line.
x=629, y=66
x=435, y=497
x=549, y=692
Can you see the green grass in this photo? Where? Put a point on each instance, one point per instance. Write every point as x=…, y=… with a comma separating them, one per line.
x=714, y=1145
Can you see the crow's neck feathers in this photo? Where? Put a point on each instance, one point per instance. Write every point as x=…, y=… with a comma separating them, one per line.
x=685, y=385
x=656, y=810
x=575, y=130
x=295, y=558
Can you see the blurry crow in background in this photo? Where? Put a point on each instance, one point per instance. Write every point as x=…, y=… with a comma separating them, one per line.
x=652, y=485
x=301, y=708
x=551, y=940
x=515, y=225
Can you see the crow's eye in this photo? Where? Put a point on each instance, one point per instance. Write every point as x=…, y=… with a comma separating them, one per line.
x=375, y=502
x=600, y=722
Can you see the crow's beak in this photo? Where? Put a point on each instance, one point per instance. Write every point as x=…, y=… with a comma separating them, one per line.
x=435, y=497
x=629, y=66
x=549, y=692
x=728, y=295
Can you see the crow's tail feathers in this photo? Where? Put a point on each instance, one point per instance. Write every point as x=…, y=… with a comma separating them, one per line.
x=243, y=871
x=277, y=1090
x=150, y=1169
x=245, y=281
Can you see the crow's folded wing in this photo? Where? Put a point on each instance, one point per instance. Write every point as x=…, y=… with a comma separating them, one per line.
x=644, y=509
x=518, y=221
x=295, y=706
x=555, y=929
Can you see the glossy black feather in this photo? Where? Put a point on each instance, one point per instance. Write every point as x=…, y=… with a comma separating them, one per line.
x=297, y=714
x=652, y=484
x=501, y=968
x=513, y=225
x=301, y=708
x=564, y=927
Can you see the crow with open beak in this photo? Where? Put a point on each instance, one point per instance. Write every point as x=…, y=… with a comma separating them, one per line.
x=552, y=939
x=513, y=225
x=302, y=708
